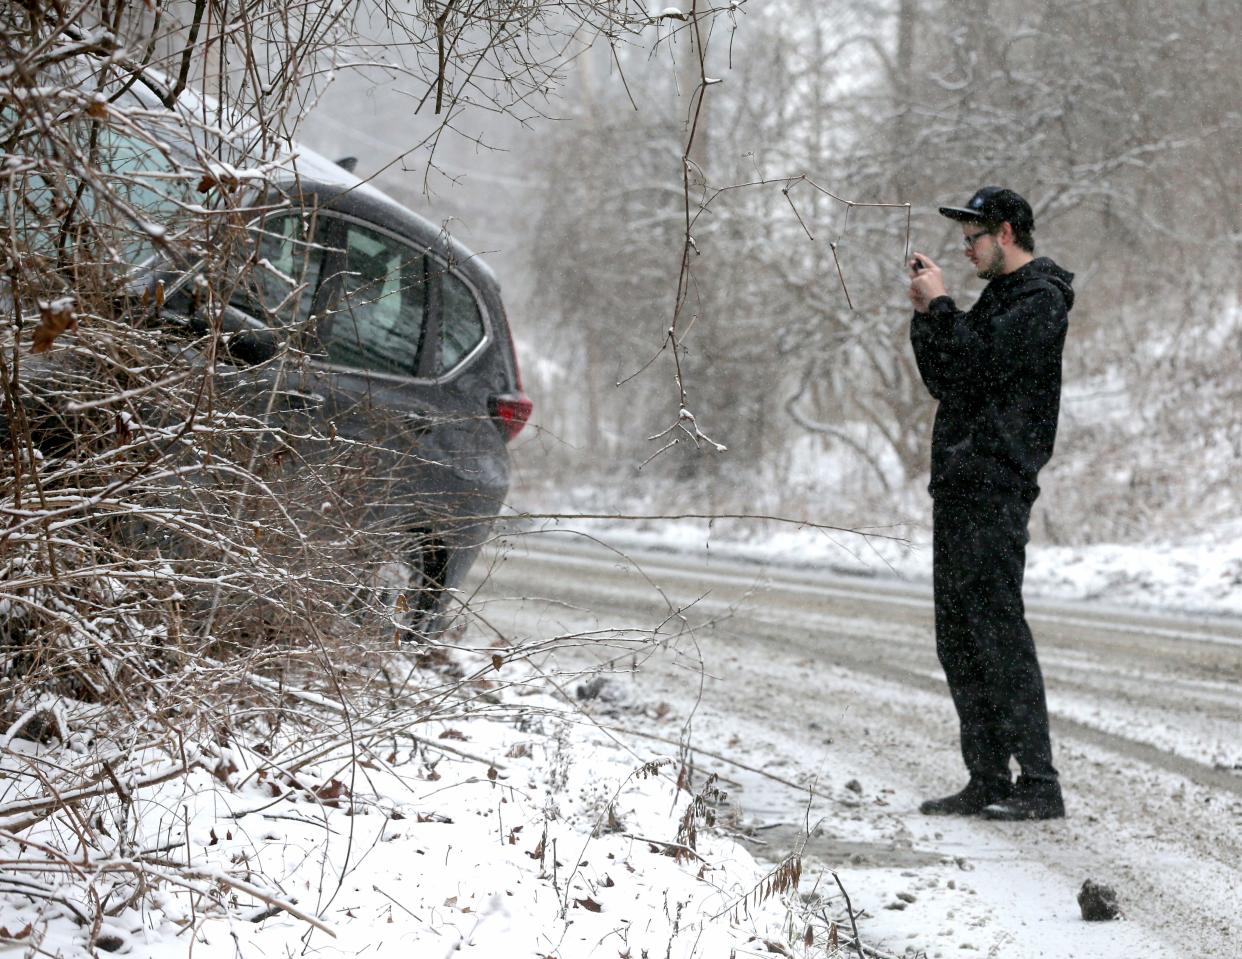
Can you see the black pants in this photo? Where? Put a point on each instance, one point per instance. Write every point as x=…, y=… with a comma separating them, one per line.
x=982, y=639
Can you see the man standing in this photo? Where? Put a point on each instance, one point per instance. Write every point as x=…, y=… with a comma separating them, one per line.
x=996, y=370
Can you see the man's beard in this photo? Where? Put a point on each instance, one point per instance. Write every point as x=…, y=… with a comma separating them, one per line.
x=993, y=267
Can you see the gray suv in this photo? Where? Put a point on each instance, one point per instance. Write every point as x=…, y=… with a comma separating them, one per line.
x=407, y=347
x=399, y=342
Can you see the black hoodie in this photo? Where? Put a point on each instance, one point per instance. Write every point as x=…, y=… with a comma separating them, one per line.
x=996, y=371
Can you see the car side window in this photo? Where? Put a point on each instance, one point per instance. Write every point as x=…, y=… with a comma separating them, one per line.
x=461, y=323
x=381, y=311
x=289, y=265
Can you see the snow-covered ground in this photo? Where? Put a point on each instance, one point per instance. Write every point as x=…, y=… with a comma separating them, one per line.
x=531, y=822
x=517, y=829
x=1199, y=575
x=821, y=703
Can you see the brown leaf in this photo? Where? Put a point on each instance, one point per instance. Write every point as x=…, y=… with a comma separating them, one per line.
x=225, y=181
x=538, y=851
x=451, y=901
x=590, y=905
x=775, y=947
x=21, y=933
x=54, y=319
x=97, y=109
x=491, y=773
x=518, y=751
x=331, y=791
x=607, y=882
x=497, y=661
x=808, y=937
x=454, y=734
x=224, y=769
x=214, y=838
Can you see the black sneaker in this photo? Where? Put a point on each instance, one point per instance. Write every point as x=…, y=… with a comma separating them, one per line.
x=1030, y=800
x=978, y=794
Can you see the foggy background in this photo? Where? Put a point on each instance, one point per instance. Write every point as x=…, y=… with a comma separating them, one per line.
x=1118, y=121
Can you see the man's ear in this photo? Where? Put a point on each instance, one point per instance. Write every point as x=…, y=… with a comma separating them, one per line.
x=1005, y=234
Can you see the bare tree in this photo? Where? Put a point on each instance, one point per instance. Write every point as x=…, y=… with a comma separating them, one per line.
x=922, y=101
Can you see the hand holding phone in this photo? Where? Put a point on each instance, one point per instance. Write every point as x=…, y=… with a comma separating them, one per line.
x=926, y=281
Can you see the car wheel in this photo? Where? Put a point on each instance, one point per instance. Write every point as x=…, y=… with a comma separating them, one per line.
x=412, y=589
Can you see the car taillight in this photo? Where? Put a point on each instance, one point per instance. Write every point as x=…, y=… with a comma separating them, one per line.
x=511, y=411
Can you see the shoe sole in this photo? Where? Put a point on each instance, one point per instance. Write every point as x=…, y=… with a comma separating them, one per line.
x=1011, y=816
x=950, y=812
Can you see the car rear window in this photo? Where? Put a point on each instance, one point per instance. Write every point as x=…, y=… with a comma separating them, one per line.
x=461, y=323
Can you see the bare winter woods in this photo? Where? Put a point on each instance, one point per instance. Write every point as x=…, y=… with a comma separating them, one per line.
x=1119, y=121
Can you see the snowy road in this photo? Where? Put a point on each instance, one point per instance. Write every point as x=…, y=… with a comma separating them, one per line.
x=833, y=681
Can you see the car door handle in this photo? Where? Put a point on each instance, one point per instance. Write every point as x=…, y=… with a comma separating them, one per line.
x=418, y=423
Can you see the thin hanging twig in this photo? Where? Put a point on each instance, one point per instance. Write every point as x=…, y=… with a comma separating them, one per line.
x=841, y=275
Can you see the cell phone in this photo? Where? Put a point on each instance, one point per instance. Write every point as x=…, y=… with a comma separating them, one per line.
x=919, y=265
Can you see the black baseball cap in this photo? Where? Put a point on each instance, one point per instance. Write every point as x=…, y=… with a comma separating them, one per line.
x=993, y=205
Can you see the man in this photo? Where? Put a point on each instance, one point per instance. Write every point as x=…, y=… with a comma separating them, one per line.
x=996, y=370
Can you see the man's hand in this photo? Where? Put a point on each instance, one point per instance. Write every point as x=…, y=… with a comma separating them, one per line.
x=926, y=283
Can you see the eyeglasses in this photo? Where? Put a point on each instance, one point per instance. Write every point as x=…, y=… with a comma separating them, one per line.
x=970, y=239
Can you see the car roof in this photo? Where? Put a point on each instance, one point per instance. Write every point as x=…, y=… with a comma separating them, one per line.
x=313, y=175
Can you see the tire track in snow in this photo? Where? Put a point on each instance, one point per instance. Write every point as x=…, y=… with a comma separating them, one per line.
x=846, y=625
